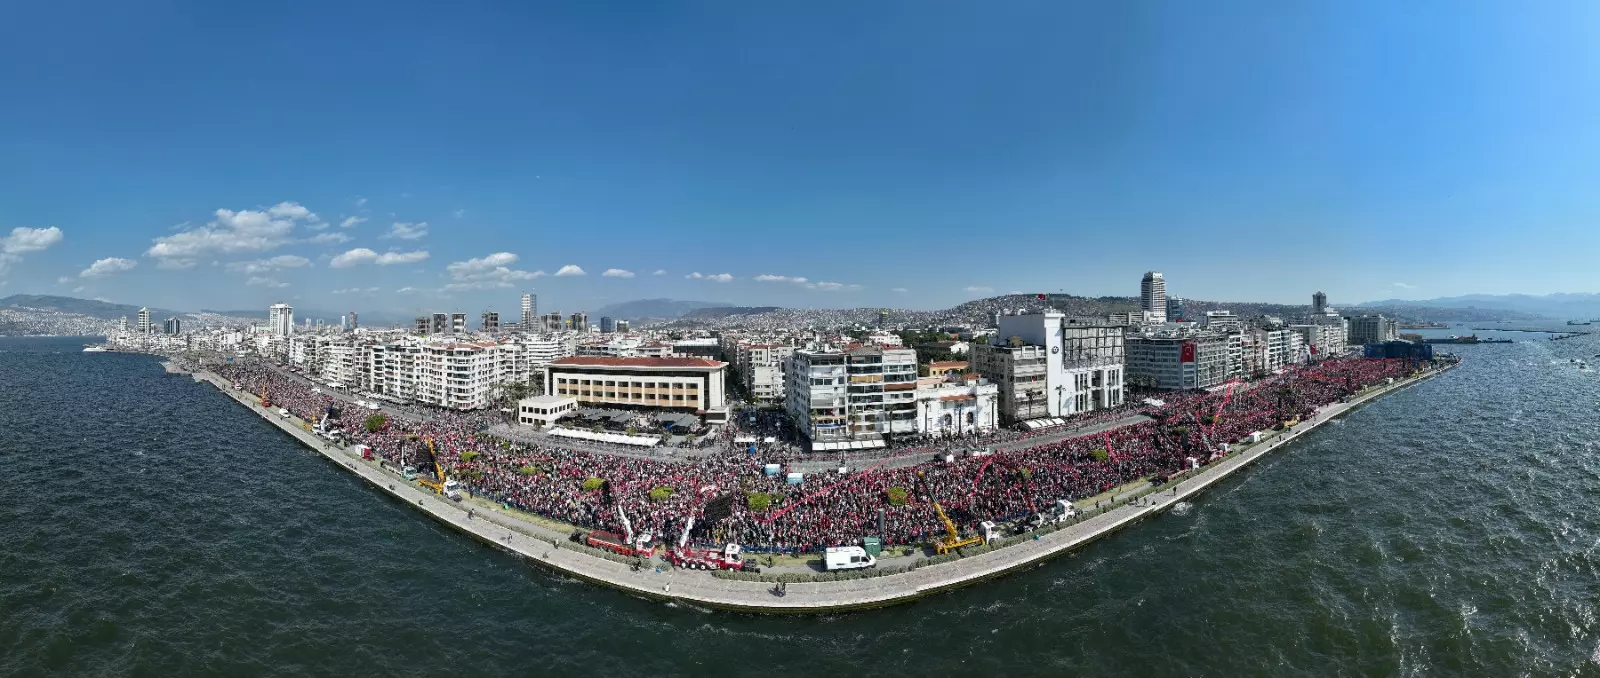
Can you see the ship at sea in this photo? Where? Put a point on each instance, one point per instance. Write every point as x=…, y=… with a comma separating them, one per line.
x=94, y=349
x=1469, y=339
x=1580, y=322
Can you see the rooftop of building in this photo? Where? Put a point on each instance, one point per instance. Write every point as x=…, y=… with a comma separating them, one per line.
x=606, y=361
x=947, y=365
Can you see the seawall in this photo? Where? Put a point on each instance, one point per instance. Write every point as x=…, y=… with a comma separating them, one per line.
x=544, y=547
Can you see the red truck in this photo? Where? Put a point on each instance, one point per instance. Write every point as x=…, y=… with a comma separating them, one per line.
x=616, y=543
x=707, y=559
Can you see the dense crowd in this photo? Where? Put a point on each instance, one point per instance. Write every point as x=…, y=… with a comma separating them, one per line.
x=588, y=488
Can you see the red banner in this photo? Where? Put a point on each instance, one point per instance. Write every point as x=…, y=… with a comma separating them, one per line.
x=1188, y=352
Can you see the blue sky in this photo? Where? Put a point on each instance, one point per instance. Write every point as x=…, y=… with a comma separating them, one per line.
x=912, y=154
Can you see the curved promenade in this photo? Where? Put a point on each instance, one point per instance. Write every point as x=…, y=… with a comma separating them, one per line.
x=545, y=546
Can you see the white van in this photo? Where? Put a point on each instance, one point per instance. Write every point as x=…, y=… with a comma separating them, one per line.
x=838, y=558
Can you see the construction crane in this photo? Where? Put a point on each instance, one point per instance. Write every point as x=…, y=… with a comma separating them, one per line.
x=436, y=485
x=264, y=401
x=953, y=539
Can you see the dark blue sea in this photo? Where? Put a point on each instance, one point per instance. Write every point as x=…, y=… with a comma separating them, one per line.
x=152, y=527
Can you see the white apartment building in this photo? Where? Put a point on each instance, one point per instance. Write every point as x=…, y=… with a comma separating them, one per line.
x=858, y=394
x=280, y=319
x=1324, y=339
x=1047, y=365
x=760, y=369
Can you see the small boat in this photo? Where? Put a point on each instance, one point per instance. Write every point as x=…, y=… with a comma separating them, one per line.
x=94, y=349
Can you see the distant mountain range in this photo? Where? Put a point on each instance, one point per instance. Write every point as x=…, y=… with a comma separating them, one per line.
x=1569, y=306
x=93, y=308
x=658, y=309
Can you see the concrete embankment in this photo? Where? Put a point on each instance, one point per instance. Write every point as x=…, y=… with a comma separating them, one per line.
x=544, y=546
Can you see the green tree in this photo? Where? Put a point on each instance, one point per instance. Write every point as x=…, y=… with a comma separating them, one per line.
x=470, y=455
x=1099, y=454
x=591, y=484
x=530, y=470
x=660, y=493
x=897, y=496
x=758, y=501
x=375, y=423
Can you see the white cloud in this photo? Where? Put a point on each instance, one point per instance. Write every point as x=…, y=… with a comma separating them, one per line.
x=264, y=265
x=64, y=279
x=107, y=266
x=408, y=290
x=831, y=286
x=978, y=289
x=266, y=282
x=898, y=290
x=720, y=277
x=569, y=270
x=1403, y=286
x=484, y=273
x=24, y=240
x=362, y=255
x=233, y=233
x=694, y=276
x=77, y=289
x=391, y=258
x=356, y=290
x=404, y=231
x=330, y=238
x=350, y=222
x=175, y=264
x=361, y=202
x=617, y=273
x=660, y=271
x=781, y=278
x=293, y=211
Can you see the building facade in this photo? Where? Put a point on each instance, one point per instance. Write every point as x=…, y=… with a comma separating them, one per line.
x=1372, y=329
x=1047, y=365
x=280, y=319
x=1153, y=296
x=687, y=384
x=1178, y=360
x=861, y=393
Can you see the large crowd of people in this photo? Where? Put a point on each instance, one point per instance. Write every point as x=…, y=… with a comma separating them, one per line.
x=733, y=497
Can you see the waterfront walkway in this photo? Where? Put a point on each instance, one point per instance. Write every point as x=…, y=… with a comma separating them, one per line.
x=546, y=546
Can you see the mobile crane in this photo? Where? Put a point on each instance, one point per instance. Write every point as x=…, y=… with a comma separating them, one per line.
x=439, y=485
x=953, y=539
x=264, y=401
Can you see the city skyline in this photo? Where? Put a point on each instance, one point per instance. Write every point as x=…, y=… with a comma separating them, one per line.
x=592, y=157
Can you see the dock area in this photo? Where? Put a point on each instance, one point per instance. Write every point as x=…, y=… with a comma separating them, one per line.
x=547, y=547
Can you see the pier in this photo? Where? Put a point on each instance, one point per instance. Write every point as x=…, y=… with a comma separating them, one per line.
x=547, y=547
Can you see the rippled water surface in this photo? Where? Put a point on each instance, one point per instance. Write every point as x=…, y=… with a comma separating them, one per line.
x=153, y=527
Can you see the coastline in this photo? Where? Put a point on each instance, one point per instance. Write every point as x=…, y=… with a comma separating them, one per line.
x=545, y=547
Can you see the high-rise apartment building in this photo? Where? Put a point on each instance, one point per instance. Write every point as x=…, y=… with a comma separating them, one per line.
x=280, y=320
x=353, y=322
x=622, y=327
x=607, y=325
x=144, y=321
x=491, y=322
x=172, y=326
x=530, y=310
x=458, y=323
x=1153, y=296
x=1319, y=303
x=580, y=322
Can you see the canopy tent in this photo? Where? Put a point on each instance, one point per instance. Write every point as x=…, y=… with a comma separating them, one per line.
x=618, y=438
